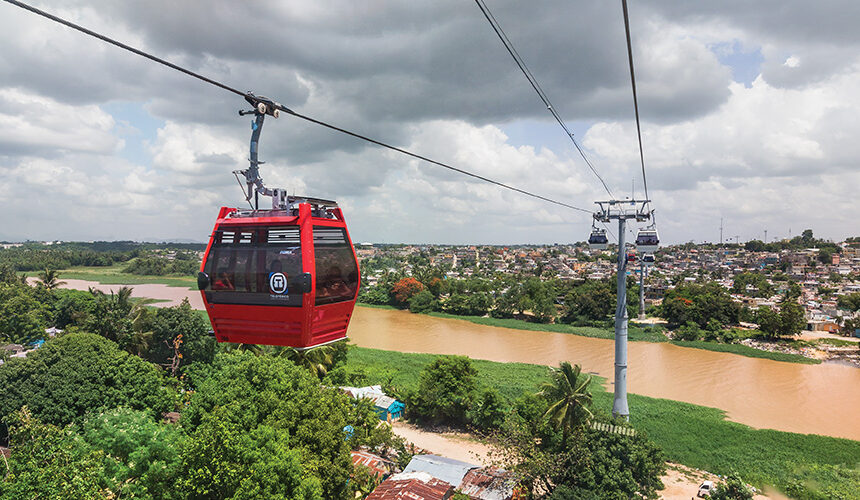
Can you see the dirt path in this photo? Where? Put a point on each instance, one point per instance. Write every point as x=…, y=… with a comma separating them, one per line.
x=448, y=444
x=810, y=335
x=682, y=483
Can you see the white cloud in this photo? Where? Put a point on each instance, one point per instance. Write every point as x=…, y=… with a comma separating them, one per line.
x=432, y=78
x=40, y=126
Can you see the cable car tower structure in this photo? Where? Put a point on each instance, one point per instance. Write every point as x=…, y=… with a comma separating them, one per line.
x=621, y=211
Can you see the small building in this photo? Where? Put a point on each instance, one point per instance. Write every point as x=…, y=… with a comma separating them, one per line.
x=53, y=331
x=13, y=349
x=823, y=326
x=478, y=483
x=388, y=408
x=412, y=486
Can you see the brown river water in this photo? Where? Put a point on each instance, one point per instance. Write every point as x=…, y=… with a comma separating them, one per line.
x=814, y=399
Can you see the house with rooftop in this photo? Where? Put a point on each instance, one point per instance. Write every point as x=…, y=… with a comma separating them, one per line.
x=388, y=408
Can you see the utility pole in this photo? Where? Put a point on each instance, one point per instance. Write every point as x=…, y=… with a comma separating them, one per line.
x=641, y=289
x=622, y=211
x=765, y=235
x=721, y=231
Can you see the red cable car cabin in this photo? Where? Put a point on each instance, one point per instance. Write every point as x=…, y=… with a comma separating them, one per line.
x=280, y=277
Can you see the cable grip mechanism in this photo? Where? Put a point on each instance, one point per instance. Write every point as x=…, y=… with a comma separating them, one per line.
x=262, y=106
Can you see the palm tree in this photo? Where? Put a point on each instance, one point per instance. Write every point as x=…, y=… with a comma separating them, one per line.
x=116, y=317
x=254, y=349
x=568, y=396
x=316, y=360
x=50, y=278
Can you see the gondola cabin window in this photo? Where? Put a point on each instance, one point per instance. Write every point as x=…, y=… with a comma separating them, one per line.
x=336, y=270
x=254, y=266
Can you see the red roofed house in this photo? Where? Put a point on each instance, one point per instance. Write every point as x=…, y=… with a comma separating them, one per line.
x=412, y=486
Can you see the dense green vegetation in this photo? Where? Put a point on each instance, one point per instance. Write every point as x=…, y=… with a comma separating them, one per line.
x=805, y=240
x=849, y=302
x=807, y=465
x=707, y=305
x=78, y=373
x=83, y=422
x=536, y=299
x=38, y=256
x=181, y=263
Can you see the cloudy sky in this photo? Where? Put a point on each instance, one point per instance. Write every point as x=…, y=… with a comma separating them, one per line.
x=750, y=113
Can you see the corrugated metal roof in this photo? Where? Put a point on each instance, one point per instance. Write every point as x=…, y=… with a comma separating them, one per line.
x=488, y=484
x=412, y=486
x=377, y=465
x=373, y=393
x=447, y=469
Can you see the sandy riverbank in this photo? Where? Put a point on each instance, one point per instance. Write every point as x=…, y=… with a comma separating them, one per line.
x=171, y=295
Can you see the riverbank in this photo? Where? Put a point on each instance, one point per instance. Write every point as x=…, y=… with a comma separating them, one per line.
x=187, y=286
x=695, y=436
x=757, y=392
x=162, y=295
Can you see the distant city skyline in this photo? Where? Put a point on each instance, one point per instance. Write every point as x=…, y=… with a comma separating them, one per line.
x=747, y=115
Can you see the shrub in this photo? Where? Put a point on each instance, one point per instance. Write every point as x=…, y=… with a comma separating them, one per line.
x=445, y=390
x=487, y=411
x=423, y=302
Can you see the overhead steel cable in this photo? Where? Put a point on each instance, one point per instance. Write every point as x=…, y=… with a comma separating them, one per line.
x=536, y=86
x=284, y=108
x=635, y=99
x=428, y=160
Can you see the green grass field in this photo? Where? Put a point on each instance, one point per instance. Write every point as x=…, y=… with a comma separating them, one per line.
x=692, y=435
x=113, y=275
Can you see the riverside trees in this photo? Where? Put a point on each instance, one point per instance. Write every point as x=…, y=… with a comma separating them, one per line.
x=255, y=427
x=545, y=438
x=548, y=441
x=82, y=413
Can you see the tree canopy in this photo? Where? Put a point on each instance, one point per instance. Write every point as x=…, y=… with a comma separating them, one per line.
x=446, y=388
x=700, y=304
x=257, y=417
x=80, y=372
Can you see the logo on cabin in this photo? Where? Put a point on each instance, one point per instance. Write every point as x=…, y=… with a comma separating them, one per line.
x=278, y=283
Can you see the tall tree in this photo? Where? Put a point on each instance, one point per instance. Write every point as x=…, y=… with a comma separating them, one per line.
x=446, y=389
x=317, y=360
x=50, y=278
x=568, y=397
